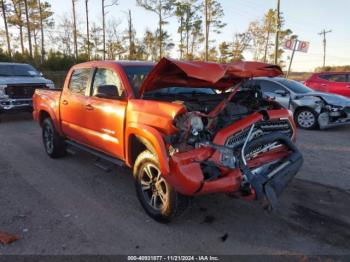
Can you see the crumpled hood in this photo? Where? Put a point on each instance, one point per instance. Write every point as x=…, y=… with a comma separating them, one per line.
x=23, y=80
x=331, y=99
x=175, y=73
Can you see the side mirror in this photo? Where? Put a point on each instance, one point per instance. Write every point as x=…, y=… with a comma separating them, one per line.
x=106, y=91
x=281, y=92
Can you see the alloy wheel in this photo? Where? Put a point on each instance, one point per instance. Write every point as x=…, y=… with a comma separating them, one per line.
x=306, y=119
x=48, y=138
x=154, y=187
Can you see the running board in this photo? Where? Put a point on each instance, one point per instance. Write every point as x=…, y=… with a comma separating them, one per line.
x=96, y=153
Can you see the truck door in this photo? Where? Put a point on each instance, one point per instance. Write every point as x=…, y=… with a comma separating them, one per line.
x=73, y=109
x=106, y=113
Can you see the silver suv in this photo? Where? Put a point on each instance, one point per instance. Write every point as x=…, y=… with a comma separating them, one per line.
x=17, y=85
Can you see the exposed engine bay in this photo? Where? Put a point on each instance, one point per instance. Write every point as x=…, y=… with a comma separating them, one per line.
x=209, y=113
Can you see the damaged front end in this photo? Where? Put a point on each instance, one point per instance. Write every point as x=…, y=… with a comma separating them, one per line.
x=333, y=110
x=257, y=162
x=225, y=140
x=332, y=115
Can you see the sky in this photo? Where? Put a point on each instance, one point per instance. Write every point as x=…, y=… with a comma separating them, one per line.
x=306, y=18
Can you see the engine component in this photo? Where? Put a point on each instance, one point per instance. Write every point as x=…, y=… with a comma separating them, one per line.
x=196, y=125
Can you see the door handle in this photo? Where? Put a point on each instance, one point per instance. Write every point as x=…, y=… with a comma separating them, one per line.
x=65, y=102
x=89, y=107
x=323, y=85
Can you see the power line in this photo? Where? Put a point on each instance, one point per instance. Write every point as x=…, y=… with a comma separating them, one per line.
x=324, y=33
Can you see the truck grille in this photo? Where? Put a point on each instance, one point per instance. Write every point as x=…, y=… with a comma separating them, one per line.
x=22, y=90
x=261, y=128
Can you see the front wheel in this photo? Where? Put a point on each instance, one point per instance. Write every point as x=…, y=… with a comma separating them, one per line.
x=54, y=144
x=306, y=118
x=157, y=197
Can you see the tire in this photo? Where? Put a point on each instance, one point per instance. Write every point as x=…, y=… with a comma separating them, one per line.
x=157, y=197
x=306, y=118
x=54, y=144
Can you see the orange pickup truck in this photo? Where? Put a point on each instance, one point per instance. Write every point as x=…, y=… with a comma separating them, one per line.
x=185, y=128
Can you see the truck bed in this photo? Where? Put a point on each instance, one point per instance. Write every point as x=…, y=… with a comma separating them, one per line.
x=48, y=100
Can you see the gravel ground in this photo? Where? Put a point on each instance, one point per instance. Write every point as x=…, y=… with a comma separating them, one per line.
x=69, y=206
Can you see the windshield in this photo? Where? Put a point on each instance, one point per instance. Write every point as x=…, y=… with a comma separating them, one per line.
x=295, y=86
x=136, y=75
x=18, y=70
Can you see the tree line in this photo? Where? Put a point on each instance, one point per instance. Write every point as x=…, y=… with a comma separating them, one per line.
x=31, y=34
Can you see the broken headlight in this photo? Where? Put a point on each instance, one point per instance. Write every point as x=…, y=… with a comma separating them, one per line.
x=333, y=108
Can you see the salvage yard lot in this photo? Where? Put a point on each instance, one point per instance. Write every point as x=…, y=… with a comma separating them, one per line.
x=69, y=206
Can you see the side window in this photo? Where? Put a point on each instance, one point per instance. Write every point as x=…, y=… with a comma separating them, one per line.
x=270, y=87
x=324, y=77
x=104, y=76
x=335, y=77
x=79, y=80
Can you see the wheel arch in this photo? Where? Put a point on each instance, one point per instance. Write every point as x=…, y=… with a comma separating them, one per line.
x=299, y=108
x=139, y=138
x=45, y=113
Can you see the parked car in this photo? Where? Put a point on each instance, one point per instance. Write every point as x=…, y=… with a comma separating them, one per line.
x=17, y=85
x=179, y=135
x=330, y=82
x=311, y=109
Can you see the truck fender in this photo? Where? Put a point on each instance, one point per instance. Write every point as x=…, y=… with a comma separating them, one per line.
x=48, y=111
x=152, y=139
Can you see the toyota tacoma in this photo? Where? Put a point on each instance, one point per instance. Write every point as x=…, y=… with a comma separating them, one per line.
x=185, y=129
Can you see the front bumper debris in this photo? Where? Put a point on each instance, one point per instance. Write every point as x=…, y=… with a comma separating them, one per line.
x=200, y=171
x=270, y=184
x=341, y=118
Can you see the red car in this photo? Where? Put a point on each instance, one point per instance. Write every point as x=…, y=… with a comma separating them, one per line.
x=330, y=82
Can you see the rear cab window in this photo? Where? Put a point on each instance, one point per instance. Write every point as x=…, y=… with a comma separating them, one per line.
x=79, y=81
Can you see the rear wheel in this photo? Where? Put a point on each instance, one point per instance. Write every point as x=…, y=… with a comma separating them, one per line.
x=157, y=197
x=54, y=144
x=306, y=118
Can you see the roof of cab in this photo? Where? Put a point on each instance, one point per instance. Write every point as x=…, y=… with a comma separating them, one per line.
x=118, y=62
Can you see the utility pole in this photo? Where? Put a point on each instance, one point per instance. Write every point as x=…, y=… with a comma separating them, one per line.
x=324, y=33
x=278, y=24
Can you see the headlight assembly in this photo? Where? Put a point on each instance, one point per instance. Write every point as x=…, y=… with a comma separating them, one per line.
x=2, y=91
x=333, y=108
x=51, y=85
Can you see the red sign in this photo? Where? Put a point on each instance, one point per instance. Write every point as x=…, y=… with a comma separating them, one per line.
x=289, y=44
x=301, y=46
